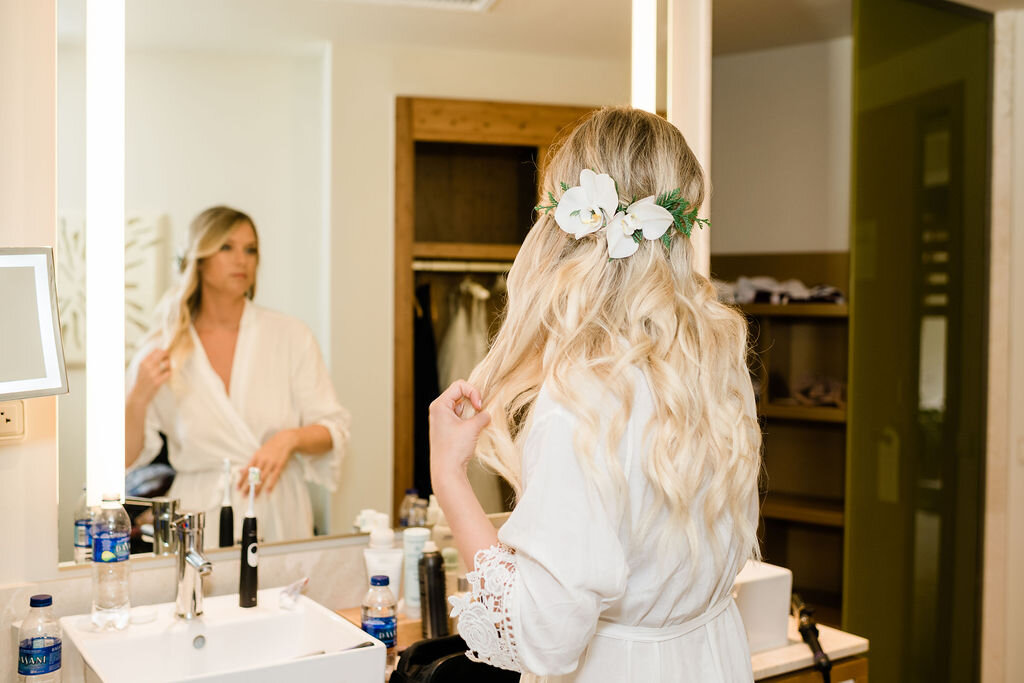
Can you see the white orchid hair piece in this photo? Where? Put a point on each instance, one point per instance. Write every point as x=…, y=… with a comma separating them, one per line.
x=594, y=205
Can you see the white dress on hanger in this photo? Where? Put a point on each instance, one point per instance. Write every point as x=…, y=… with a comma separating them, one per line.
x=465, y=342
x=464, y=345
x=278, y=381
x=578, y=597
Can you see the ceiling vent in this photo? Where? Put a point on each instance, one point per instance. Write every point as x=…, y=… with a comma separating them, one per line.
x=457, y=5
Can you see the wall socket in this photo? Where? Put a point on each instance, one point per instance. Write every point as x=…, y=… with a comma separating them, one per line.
x=12, y=420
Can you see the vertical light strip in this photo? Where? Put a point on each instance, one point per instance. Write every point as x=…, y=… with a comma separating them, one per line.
x=644, y=72
x=689, y=96
x=104, y=245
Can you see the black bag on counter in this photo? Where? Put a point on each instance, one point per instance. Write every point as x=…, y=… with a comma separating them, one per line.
x=444, y=660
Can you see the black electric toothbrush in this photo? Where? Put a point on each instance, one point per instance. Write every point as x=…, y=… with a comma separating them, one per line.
x=227, y=515
x=247, y=580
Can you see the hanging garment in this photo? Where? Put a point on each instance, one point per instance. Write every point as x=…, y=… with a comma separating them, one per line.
x=463, y=347
x=573, y=594
x=278, y=381
x=465, y=342
x=425, y=388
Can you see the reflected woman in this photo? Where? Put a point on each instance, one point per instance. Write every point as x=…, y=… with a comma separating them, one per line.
x=225, y=379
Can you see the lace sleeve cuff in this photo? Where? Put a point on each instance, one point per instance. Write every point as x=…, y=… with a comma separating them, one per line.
x=485, y=616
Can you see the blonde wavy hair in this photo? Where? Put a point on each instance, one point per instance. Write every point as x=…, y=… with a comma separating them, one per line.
x=207, y=233
x=573, y=318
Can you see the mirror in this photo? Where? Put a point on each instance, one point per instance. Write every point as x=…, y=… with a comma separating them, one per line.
x=285, y=110
x=31, y=355
x=236, y=124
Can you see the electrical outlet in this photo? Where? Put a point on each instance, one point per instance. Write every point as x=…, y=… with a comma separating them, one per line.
x=12, y=420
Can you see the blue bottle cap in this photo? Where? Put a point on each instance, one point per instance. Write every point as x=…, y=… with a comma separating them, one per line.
x=408, y=491
x=40, y=601
x=378, y=580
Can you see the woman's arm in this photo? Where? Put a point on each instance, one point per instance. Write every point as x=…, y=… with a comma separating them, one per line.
x=154, y=370
x=273, y=456
x=452, y=444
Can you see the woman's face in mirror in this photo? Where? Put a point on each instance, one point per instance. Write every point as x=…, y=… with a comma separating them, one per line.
x=232, y=270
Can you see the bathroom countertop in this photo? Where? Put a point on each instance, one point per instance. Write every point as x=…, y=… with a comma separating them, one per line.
x=796, y=655
x=409, y=629
x=782, y=660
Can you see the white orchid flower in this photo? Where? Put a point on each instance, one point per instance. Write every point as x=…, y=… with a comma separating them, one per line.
x=644, y=215
x=585, y=208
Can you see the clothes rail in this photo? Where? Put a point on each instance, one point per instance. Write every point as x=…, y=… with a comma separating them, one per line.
x=422, y=265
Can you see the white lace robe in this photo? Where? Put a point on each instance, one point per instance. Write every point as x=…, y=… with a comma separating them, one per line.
x=278, y=381
x=565, y=566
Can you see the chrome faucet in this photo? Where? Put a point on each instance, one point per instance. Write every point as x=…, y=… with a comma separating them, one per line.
x=192, y=565
x=164, y=512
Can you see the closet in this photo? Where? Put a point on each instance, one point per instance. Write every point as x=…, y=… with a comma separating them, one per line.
x=466, y=181
x=798, y=361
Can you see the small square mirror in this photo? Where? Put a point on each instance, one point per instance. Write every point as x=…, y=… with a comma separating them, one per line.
x=31, y=350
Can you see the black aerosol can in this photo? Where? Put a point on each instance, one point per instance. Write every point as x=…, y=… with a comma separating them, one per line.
x=432, y=595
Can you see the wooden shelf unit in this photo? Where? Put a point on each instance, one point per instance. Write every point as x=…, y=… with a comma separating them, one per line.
x=812, y=310
x=803, y=507
x=465, y=251
x=803, y=413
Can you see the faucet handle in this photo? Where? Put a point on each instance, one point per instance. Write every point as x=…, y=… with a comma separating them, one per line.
x=189, y=521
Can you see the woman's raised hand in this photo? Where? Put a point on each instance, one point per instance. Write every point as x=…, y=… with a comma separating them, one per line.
x=452, y=436
x=154, y=370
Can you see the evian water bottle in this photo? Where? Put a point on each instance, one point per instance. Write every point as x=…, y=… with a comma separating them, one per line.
x=110, y=599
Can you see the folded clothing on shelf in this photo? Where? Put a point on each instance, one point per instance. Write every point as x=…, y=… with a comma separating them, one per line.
x=768, y=290
x=820, y=391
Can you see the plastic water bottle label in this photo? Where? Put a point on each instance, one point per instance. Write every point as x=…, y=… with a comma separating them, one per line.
x=83, y=533
x=109, y=547
x=384, y=629
x=37, y=656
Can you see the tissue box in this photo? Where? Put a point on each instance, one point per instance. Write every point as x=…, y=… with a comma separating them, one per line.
x=762, y=592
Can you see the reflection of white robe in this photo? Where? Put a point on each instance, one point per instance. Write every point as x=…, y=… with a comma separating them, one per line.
x=278, y=381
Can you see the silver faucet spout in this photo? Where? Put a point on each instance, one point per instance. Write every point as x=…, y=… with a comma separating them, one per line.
x=192, y=564
x=199, y=563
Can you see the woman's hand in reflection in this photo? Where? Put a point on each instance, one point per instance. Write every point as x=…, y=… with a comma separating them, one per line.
x=154, y=370
x=271, y=458
x=453, y=437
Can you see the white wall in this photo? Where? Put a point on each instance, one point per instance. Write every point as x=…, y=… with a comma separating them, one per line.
x=28, y=469
x=206, y=128
x=242, y=130
x=780, y=150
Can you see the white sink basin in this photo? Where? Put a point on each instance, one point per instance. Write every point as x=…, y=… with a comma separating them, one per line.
x=265, y=643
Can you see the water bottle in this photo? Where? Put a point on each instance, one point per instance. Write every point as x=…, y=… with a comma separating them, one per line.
x=418, y=513
x=379, y=616
x=110, y=530
x=411, y=496
x=83, y=531
x=39, y=643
